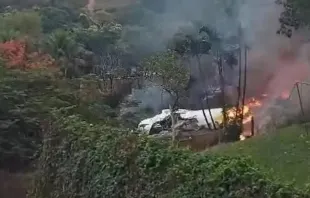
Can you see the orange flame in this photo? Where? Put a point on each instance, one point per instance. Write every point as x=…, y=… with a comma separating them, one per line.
x=251, y=104
x=231, y=113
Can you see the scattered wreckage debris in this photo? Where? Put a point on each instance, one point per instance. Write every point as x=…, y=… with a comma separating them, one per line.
x=190, y=128
x=162, y=121
x=182, y=124
x=188, y=133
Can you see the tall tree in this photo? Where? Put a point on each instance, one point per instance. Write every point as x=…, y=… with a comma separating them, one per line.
x=194, y=46
x=168, y=71
x=296, y=15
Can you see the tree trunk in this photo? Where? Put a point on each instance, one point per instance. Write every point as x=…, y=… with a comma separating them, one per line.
x=174, y=135
x=204, y=114
x=239, y=85
x=176, y=101
x=207, y=99
x=222, y=81
x=244, y=85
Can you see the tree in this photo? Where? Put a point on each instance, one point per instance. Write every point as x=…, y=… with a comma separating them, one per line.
x=169, y=72
x=195, y=46
x=15, y=24
x=57, y=18
x=296, y=15
x=207, y=41
x=63, y=48
x=99, y=39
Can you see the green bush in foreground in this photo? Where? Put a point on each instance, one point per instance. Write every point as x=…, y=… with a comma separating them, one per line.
x=89, y=161
x=26, y=100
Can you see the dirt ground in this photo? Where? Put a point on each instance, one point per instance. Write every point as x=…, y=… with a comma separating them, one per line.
x=13, y=185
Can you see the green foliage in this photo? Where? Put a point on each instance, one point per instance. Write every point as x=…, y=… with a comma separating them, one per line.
x=62, y=44
x=84, y=160
x=296, y=14
x=22, y=4
x=19, y=132
x=99, y=39
x=172, y=75
x=7, y=35
x=19, y=23
x=27, y=98
x=283, y=153
x=194, y=44
x=20, y=118
x=78, y=50
x=57, y=18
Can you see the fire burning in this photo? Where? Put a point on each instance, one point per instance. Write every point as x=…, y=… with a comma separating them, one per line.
x=247, y=110
x=251, y=107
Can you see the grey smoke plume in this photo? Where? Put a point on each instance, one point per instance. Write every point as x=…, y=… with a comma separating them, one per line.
x=91, y=5
x=274, y=62
x=224, y=16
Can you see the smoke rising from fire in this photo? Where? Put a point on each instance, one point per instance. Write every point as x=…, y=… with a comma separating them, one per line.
x=91, y=5
x=275, y=63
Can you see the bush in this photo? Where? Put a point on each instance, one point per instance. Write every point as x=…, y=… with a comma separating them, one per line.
x=99, y=40
x=57, y=18
x=84, y=160
x=27, y=98
x=61, y=44
x=20, y=118
x=19, y=23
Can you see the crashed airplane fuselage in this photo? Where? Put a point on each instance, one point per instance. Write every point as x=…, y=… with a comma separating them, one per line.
x=162, y=121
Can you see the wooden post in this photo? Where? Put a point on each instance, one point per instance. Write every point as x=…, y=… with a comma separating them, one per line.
x=301, y=107
x=244, y=86
x=252, y=126
x=239, y=74
x=300, y=100
x=239, y=84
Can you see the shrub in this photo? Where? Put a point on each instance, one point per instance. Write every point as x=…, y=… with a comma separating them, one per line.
x=61, y=44
x=18, y=24
x=20, y=118
x=99, y=40
x=84, y=160
x=57, y=18
x=15, y=54
x=27, y=98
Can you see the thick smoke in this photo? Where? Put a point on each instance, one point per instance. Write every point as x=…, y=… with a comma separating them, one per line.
x=275, y=63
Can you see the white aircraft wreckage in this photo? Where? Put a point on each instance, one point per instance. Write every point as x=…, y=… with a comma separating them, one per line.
x=194, y=119
x=191, y=124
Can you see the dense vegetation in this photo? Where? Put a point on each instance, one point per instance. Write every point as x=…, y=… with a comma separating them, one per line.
x=85, y=160
x=26, y=100
x=62, y=83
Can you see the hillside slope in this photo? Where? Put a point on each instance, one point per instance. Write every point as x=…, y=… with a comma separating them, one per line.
x=284, y=153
